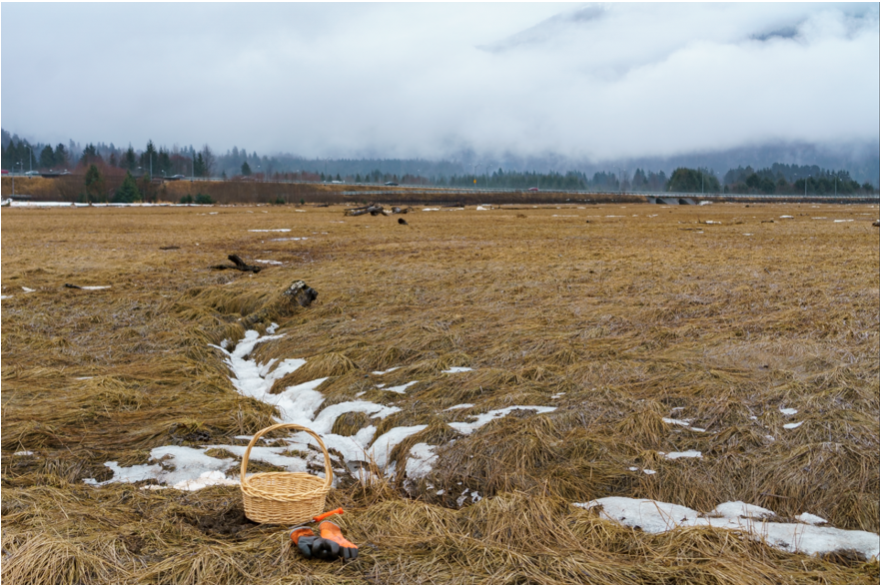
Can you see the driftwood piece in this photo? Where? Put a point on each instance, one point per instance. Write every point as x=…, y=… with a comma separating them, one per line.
x=301, y=293
x=402, y=222
x=72, y=286
x=372, y=209
x=283, y=303
x=239, y=265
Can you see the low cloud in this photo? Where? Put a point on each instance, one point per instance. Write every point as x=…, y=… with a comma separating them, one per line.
x=592, y=81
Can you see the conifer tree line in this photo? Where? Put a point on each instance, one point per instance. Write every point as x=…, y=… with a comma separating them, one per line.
x=143, y=165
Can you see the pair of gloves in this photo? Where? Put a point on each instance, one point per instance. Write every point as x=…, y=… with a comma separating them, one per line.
x=329, y=546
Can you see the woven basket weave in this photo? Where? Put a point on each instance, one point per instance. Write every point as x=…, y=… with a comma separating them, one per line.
x=284, y=498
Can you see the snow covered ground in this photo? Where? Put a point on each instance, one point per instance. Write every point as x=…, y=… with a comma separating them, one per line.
x=191, y=468
x=804, y=537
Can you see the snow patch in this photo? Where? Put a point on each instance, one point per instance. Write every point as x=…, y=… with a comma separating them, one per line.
x=741, y=509
x=811, y=519
x=272, y=230
x=788, y=411
x=659, y=517
x=401, y=389
x=793, y=425
x=686, y=454
x=385, y=443
x=460, y=406
x=483, y=419
x=381, y=372
x=456, y=369
x=421, y=460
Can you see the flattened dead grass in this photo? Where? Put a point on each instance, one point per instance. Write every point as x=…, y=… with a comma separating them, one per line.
x=619, y=323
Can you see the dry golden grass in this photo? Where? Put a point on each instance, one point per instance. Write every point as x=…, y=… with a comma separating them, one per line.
x=629, y=316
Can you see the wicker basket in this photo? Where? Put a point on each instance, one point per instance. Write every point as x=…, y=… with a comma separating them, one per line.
x=284, y=498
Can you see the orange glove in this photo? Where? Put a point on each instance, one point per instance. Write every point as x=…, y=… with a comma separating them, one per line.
x=313, y=546
x=330, y=532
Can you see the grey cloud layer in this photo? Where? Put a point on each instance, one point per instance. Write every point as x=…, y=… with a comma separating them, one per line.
x=598, y=81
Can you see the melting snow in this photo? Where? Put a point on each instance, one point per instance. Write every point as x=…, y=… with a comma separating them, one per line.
x=401, y=388
x=288, y=239
x=841, y=221
x=793, y=425
x=421, y=460
x=28, y=289
x=381, y=372
x=787, y=217
x=269, y=262
x=298, y=404
x=272, y=230
x=455, y=369
x=96, y=287
x=686, y=454
x=741, y=509
x=811, y=519
x=658, y=517
x=788, y=411
x=460, y=406
x=483, y=419
x=383, y=445
x=682, y=422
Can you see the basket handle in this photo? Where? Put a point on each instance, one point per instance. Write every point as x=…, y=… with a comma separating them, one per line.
x=327, y=468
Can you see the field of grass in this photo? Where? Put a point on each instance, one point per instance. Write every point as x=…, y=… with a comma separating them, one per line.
x=623, y=317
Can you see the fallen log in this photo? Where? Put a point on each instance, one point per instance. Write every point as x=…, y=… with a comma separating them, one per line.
x=239, y=265
x=372, y=209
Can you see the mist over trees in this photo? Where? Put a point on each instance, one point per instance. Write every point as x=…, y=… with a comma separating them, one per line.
x=465, y=170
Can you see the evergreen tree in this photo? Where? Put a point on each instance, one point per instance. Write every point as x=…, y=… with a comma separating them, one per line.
x=94, y=184
x=128, y=191
x=129, y=159
x=245, y=169
x=60, y=155
x=199, y=166
x=47, y=158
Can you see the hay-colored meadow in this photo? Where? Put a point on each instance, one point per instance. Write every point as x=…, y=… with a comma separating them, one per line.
x=618, y=315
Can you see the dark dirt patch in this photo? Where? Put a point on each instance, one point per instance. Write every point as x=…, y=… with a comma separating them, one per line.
x=229, y=523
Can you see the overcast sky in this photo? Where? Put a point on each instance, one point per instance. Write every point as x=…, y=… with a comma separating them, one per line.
x=424, y=80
